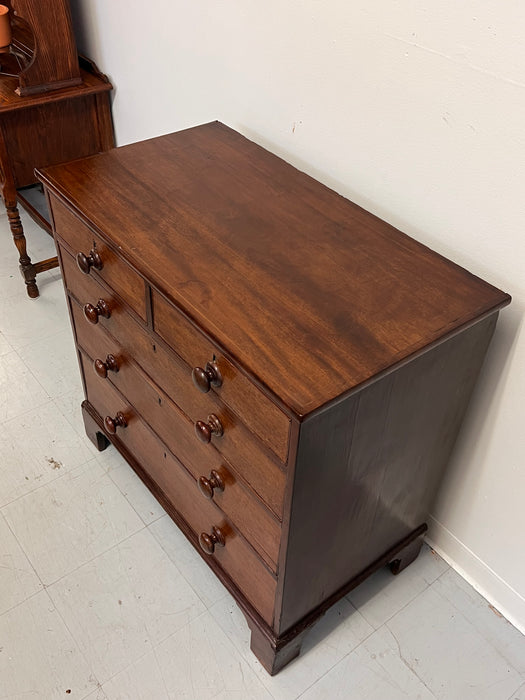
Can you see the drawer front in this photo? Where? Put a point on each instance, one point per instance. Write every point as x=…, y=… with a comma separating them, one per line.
x=237, y=558
x=80, y=239
x=236, y=390
x=254, y=520
x=238, y=445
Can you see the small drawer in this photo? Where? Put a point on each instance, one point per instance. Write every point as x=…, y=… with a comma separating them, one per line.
x=96, y=258
x=236, y=557
x=218, y=477
x=236, y=390
x=256, y=463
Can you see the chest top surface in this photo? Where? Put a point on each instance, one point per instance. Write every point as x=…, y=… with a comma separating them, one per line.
x=309, y=293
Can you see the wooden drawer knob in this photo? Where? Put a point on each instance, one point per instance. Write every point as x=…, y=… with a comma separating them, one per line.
x=111, y=424
x=209, y=542
x=86, y=262
x=207, y=485
x=205, y=378
x=92, y=313
x=102, y=368
x=204, y=431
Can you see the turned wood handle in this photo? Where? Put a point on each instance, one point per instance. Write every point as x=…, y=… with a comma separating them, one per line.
x=92, y=313
x=86, y=262
x=207, y=485
x=204, y=431
x=207, y=377
x=102, y=368
x=111, y=424
x=208, y=542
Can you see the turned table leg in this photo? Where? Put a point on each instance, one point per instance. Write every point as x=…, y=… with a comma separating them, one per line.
x=26, y=266
x=10, y=200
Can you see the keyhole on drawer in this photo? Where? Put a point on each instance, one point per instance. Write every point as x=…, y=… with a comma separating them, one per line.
x=154, y=348
x=165, y=456
x=160, y=401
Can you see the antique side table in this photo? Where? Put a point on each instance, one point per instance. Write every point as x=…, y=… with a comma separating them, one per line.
x=43, y=129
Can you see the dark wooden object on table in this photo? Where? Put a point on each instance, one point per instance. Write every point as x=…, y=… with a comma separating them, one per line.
x=52, y=109
x=292, y=371
x=44, y=40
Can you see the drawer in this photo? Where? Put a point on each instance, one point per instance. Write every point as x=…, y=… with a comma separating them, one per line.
x=239, y=446
x=236, y=557
x=236, y=390
x=81, y=240
x=249, y=515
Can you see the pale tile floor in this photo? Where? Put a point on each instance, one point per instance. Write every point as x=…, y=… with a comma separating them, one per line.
x=101, y=597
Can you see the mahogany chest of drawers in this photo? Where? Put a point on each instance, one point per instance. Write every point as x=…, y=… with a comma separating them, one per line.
x=286, y=372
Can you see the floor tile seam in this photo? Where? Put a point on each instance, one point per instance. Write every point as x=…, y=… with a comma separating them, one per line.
x=90, y=561
x=19, y=292
x=518, y=689
x=406, y=663
x=157, y=518
x=108, y=472
x=35, y=342
x=348, y=653
x=22, y=602
x=450, y=568
x=179, y=630
x=22, y=550
x=38, y=404
x=206, y=611
x=146, y=631
x=122, y=670
x=427, y=586
x=66, y=473
x=71, y=635
x=303, y=693
x=10, y=348
x=178, y=569
x=486, y=638
x=43, y=335
x=79, y=433
x=97, y=688
x=61, y=394
x=242, y=650
x=154, y=651
x=92, y=673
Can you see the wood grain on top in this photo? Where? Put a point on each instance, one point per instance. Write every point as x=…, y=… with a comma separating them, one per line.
x=311, y=294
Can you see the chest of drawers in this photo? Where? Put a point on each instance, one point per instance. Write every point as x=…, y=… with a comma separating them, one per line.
x=286, y=372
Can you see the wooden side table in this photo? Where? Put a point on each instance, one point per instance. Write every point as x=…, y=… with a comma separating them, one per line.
x=45, y=129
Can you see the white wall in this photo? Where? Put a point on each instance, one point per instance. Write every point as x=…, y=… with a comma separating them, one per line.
x=415, y=110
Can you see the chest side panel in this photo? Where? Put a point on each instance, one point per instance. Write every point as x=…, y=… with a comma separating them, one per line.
x=368, y=469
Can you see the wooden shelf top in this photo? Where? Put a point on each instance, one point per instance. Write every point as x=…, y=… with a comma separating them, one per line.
x=92, y=83
x=312, y=295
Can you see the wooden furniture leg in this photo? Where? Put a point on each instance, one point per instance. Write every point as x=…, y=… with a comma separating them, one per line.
x=26, y=266
x=406, y=556
x=10, y=201
x=92, y=430
x=274, y=654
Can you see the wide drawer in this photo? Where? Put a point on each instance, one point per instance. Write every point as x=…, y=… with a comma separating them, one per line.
x=236, y=557
x=236, y=390
x=238, y=445
x=253, y=519
x=80, y=239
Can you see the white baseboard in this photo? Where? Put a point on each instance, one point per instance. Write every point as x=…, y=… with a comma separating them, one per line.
x=485, y=581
